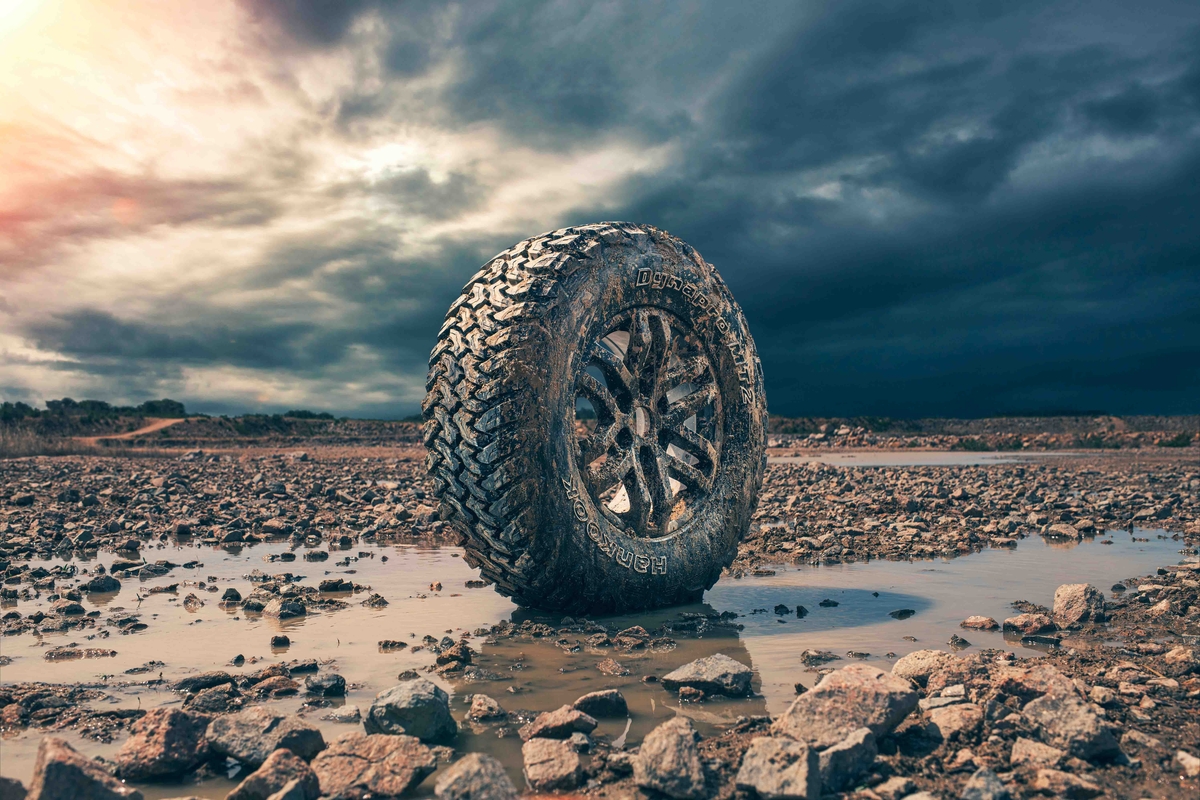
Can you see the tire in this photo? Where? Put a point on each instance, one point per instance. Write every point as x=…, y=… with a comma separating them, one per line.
x=640, y=501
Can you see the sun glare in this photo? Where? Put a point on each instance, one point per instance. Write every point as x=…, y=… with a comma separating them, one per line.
x=16, y=14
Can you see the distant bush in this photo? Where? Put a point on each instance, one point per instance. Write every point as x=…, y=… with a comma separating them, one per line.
x=91, y=410
x=1096, y=442
x=973, y=445
x=1182, y=439
x=304, y=413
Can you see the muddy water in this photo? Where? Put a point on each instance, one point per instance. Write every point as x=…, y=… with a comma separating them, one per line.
x=529, y=675
x=911, y=458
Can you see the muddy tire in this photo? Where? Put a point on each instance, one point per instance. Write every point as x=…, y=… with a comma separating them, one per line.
x=595, y=420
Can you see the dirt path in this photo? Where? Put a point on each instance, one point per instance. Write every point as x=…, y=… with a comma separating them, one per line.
x=155, y=425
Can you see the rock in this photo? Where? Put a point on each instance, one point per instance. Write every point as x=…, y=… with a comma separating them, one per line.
x=458, y=653
x=1063, y=531
x=1076, y=603
x=669, y=761
x=60, y=773
x=485, y=708
x=1132, y=738
x=250, y=736
x=716, y=674
x=1069, y=723
x=1189, y=763
x=276, y=686
x=558, y=724
x=604, y=703
x=984, y=785
x=345, y=714
x=895, y=788
x=204, y=680
x=774, y=767
x=328, y=685
x=215, y=700
x=164, y=743
x=847, y=760
x=919, y=665
x=231, y=595
x=551, y=765
x=955, y=721
x=293, y=790
x=1064, y=784
x=853, y=697
x=1029, y=682
x=610, y=666
x=979, y=624
x=67, y=607
x=102, y=583
x=1035, y=754
x=11, y=789
x=476, y=776
x=418, y=708
x=281, y=768
x=283, y=608
x=1027, y=624
x=358, y=764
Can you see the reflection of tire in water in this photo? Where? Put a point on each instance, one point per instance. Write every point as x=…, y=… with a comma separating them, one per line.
x=595, y=420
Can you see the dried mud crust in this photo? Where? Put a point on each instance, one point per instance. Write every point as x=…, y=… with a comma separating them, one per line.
x=504, y=451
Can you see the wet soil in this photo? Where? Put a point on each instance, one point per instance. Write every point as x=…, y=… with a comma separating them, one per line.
x=888, y=594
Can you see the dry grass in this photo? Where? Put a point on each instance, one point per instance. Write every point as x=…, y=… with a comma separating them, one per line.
x=17, y=443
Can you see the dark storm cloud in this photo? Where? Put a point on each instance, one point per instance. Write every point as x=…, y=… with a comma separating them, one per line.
x=924, y=208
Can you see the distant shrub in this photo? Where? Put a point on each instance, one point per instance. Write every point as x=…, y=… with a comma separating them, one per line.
x=1182, y=439
x=972, y=445
x=304, y=413
x=1096, y=442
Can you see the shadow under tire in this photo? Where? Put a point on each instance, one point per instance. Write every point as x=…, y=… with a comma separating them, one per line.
x=595, y=420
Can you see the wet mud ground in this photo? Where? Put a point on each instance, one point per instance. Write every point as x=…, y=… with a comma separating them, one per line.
x=860, y=603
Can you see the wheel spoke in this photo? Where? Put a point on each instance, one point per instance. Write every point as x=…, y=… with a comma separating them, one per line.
x=693, y=444
x=613, y=470
x=640, y=500
x=599, y=395
x=687, y=407
x=655, y=468
x=599, y=442
x=614, y=369
x=640, y=343
x=688, y=475
x=690, y=370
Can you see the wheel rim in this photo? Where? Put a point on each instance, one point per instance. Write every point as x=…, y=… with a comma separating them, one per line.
x=648, y=422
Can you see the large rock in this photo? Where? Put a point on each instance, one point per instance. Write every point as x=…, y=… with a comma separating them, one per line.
x=551, y=765
x=558, y=724
x=250, y=736
x=60, y=773
x=164, y=743
x=102, y=583
x=417, y=708
x=853, y=697
x=847, y=760
x=717, y=674
x=1069, y=723
x=1077, y=603
x=780, y=769
x=11, y=789
x=1028, y=682
x=604, y=703
x=359, y=764
x=669, y=761
x=1028, y=624
x=281, y=768
x=920, y=664
x=204, y=680
x=476, y=776
x=284, y=608
x=955, y=721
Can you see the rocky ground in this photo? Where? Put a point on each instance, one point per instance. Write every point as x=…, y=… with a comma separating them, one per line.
x=1113, y=711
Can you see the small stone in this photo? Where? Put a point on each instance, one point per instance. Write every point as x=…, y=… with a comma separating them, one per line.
x=280, y=641
x=1035, y=754
x=955, y=721
x=775, y=767
x=984, y=785
x=1063, y=784
x=250, y=736
x=856, y=696
x=102, y=583
x=164, y=743
x=329, y=684
x=204, y=680
x=558, y=724
x=919, y=665
x=60, y=773
x=485, y=708
x=1133, y=738
x=281, y=768
x=604, y=703
x=895, y=788
x=612, y=667
x=1077, y=603
x=551, y=765
x=1027, y=624
x=669, y=761
x=282, y=608
x=1188, y=763
x=1071, y=724
x=977, y=623
x=847, y=760
x=11, y=789
x=716, y=674
x=418, y=708
x=359, y=764
x=476, y=776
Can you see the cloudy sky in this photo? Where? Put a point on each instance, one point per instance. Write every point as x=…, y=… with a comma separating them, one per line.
x=924, y=208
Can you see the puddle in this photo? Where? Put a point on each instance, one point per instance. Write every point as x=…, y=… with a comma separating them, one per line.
x=912, y=458
x=536, y=674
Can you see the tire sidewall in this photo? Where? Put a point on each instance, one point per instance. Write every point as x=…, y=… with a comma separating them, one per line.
x=587, y=557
